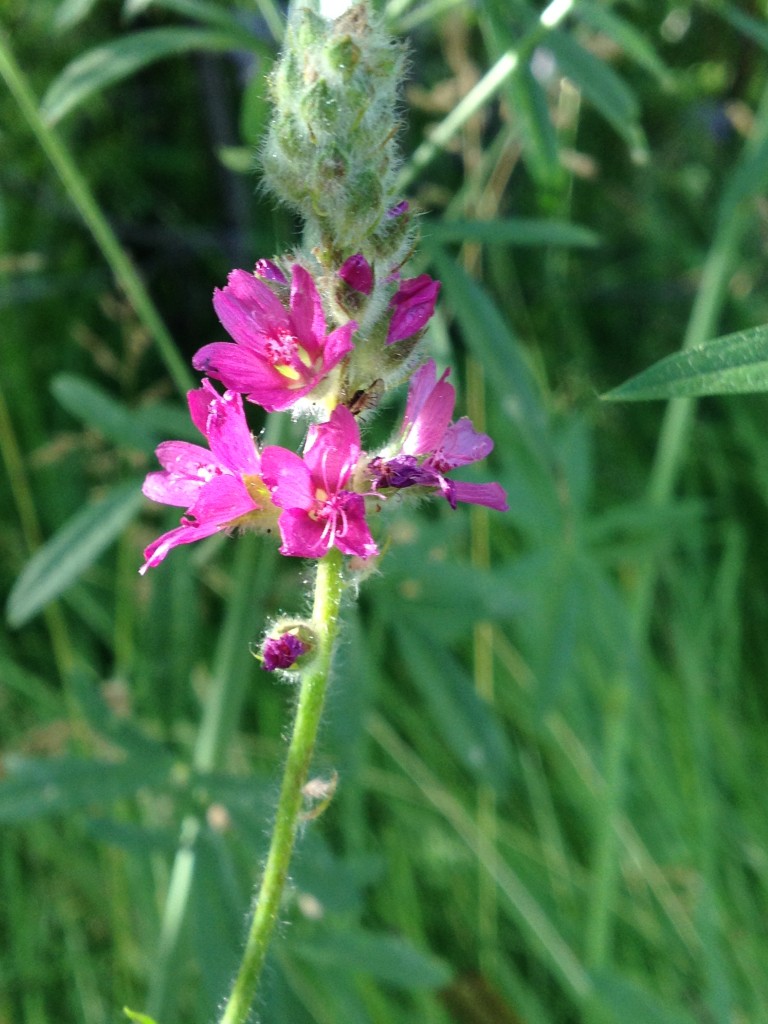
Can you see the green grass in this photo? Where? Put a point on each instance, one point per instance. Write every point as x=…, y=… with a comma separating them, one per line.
x=549, y=726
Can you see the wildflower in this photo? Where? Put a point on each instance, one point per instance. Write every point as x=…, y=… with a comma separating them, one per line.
x=221, y=488
x=282, y=651
x=413, y=304
x=318, y=511
x=280, y=354
x=430, y=445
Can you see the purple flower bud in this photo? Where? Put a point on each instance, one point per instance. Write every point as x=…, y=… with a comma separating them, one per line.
x=414, y=303
x=357, y=273
x=269, y=271
x=282, y=651
x=398, y=210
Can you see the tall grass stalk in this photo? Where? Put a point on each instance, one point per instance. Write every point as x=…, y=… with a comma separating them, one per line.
x=84, y=201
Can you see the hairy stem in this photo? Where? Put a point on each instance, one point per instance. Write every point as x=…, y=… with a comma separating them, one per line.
x=329, y=587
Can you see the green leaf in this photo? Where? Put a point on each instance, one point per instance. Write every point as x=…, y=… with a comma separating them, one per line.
x=632, y=42
x=72, y=549
x=98, y=409
x=71, y=12
x=734, y=364
x=109, y=63
x=37, y=787
x=197, y=10
x=455, y=711
x=528, y=100
x=385, y=957
x=628, y=1003
x=490, y=339
x=600, y=84
x=522, y=231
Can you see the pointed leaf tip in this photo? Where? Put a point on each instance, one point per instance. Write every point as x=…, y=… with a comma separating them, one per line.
x=733, y=364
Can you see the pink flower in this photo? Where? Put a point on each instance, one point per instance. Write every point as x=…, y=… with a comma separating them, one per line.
x=431, y=446
x=220, y=488
x=280, y=354
x=414, y=303
x=318, y=512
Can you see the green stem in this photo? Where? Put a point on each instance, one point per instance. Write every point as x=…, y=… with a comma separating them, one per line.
x=84, y=201
x=329, y=586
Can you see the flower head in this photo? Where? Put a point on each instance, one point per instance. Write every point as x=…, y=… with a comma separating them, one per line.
x=280, y=354
x=413, y=304
x=430, y=445
x=220, y=486
x=318, y=511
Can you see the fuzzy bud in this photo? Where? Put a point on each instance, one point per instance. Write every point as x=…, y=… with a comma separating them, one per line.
x=330, y=153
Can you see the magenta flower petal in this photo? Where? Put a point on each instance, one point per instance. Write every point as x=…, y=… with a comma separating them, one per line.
x=288, y=478
x=185, y=466
x=333, y=449
x=302, y=536
x=229, y=435
x=428, y=410
x=227, y=362
x=354, y=537
x=339, y=342
x=244, y=303
x=462, y=444
x=414, y=303
x=491, y=495
x=184, y=534
x=223, y=500
x=307, y=311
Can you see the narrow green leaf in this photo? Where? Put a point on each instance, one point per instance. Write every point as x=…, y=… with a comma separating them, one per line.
x=753, y=28
x=104, y=65
x=490, y=339
x=530, y=106
x=71, y=12
x=385, y=957
x=456, y=712
x=632, y=42
x=522, y=231
x=37, y=787
x=72, y=550
x=202, y=11
x=600, y=84
x=97, y=408
x=629, y=1003
x=734, y=364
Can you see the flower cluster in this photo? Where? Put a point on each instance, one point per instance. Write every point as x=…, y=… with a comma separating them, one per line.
x=282, y=356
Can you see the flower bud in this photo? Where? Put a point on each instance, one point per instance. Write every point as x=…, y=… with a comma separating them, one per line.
x=330, y=153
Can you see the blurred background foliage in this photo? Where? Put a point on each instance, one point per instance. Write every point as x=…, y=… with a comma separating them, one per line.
x=548, y=728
